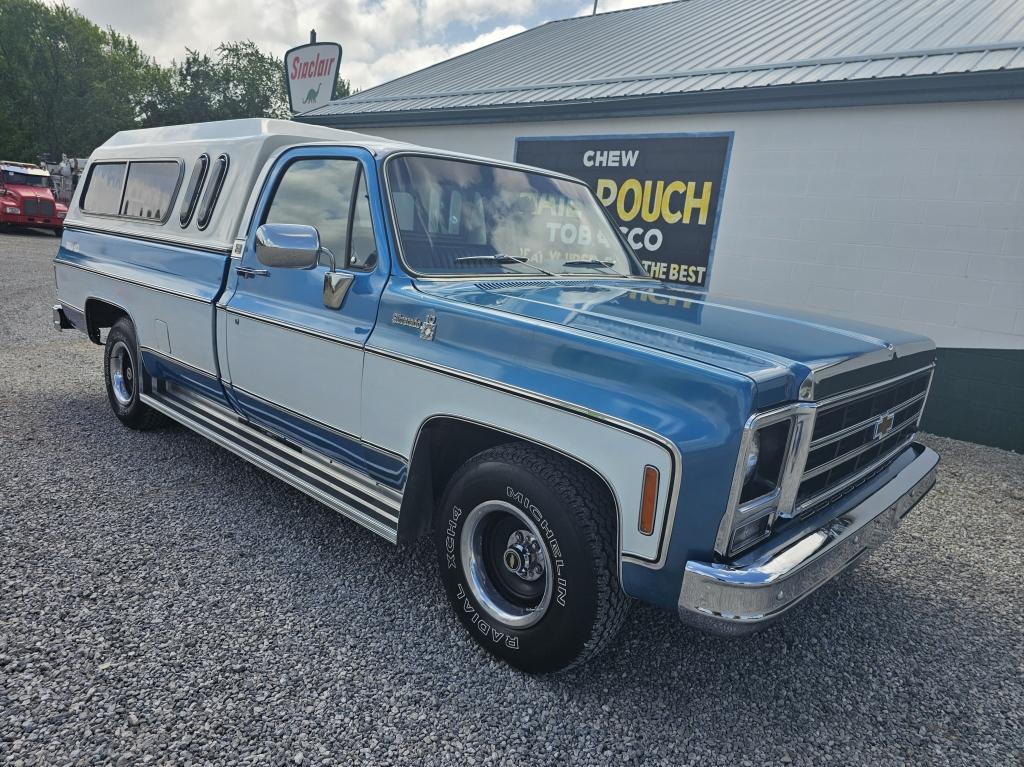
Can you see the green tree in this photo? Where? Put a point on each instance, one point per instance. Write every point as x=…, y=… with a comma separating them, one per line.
x=69, y=85
x=239, y=81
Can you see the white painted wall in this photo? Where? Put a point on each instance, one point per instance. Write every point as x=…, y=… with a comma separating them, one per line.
x=910, y=216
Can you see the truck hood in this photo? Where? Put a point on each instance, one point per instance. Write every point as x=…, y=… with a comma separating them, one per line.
x=777, y=348
x=28, y=192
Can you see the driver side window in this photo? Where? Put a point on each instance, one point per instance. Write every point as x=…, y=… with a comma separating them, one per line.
x=321, y=192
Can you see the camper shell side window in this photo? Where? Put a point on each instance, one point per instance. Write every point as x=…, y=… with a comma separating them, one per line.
x=195, y=186
x=141, y=190
x=213, y=187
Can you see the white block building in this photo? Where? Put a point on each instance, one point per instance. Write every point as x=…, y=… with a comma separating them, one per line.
x=876, y=168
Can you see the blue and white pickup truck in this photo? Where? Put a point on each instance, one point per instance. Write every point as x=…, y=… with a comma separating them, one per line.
x=407, y=336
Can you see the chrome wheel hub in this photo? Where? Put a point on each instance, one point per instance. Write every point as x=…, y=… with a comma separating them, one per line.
x=524, y=556
x=122, y=373
x=506, y=564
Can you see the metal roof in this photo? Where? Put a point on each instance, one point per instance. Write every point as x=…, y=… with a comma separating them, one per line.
x=693, y=54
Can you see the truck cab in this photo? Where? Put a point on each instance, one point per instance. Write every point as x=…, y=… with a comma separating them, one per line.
x=26, y=198
x=398, y=332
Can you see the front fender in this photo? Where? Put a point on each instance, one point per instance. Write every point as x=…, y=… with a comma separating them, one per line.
x=611, y=405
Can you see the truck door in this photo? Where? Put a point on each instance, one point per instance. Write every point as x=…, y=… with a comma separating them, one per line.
x=293, y=364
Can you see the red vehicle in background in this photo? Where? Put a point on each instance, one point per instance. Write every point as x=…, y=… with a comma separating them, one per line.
x=26, y=198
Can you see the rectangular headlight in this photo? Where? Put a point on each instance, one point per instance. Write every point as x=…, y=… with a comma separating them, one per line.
x=761, y=473
x=767, y=475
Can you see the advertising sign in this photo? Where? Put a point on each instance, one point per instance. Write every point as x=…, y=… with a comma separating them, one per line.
x=312, y=74
x=663, y=190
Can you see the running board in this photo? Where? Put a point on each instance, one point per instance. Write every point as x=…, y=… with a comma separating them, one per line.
x=339, y=488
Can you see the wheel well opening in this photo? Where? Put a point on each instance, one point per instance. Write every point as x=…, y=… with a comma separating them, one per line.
x=98, y=315
x=444, y=445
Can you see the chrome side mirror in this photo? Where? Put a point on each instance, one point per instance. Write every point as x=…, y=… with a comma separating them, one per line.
x=297, y=246
x=289, y=246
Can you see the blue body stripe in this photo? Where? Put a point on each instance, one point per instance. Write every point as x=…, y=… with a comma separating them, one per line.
x=348, y=450
x=161, y=366
x=382, y=466
x=178, y=269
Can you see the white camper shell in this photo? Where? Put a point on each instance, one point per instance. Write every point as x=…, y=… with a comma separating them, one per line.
x=247, y=146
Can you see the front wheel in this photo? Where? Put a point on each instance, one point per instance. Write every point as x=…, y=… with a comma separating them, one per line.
x=528, y=557
x=123, y=376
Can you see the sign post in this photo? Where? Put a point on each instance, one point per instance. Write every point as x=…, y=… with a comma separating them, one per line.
x=312, y=74
x=664, y=191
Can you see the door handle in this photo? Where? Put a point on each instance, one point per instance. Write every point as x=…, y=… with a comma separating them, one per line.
x=247, y=272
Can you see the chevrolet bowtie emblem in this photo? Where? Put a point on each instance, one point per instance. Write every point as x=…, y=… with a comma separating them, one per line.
x=884, y=425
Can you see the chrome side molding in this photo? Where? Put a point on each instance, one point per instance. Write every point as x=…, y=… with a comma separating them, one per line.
x=358, y=498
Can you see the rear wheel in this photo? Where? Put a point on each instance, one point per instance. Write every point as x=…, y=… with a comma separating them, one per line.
x=528, y=557
x=123, y=375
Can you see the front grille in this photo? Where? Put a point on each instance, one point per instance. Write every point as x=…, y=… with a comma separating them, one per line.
x=855, y=436
x=38, y=208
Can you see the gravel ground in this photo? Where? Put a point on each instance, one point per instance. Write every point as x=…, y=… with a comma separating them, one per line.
x=161, y=601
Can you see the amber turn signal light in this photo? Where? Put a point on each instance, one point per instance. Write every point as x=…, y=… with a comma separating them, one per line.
x=649, y=500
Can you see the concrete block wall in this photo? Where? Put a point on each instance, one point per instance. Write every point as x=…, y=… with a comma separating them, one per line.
x=910, y=216
x=903, y=215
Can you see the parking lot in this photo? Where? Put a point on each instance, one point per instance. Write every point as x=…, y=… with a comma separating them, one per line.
x=162, y=601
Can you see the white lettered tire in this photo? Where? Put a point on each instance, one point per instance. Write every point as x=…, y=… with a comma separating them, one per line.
x=527, y=549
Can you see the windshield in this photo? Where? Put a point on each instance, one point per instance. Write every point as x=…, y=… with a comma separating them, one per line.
x=457, y=217
x=24, y=179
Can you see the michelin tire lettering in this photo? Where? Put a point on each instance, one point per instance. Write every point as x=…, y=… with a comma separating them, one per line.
x=523, y=501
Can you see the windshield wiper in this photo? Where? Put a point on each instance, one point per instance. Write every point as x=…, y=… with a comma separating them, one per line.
x=594, y=263
x=504, y=258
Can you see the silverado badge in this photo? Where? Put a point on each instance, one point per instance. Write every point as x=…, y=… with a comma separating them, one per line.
x=426, y=327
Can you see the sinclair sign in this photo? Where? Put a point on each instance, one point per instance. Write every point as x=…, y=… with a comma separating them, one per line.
x=312, y=73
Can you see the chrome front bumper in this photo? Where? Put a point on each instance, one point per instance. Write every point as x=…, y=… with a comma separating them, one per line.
x=740, y=598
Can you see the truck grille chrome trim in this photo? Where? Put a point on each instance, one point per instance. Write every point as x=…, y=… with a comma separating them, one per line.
x=834, y=492
x=857, y=433
x=856, y=427
x=810, y=473
x=38, y=208
x=833, y=445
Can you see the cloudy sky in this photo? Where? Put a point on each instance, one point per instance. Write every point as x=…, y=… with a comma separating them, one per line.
x=381, y=39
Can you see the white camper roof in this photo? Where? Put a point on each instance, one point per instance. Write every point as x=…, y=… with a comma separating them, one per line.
x=248, y=143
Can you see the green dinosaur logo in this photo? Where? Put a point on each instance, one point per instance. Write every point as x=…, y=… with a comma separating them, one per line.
x=312, y=96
